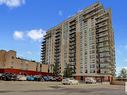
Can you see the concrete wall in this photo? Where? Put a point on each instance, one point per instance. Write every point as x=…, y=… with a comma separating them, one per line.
x=9, y=60
x=115, y=82
x=44, y=68
x=2, y=58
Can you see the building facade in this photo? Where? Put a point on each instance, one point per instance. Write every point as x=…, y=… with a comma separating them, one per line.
x=9, y=60
x=84, y=41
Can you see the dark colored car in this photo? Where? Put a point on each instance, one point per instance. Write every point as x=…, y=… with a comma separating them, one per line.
x=46, y=78
x=58, y=78
x=38, y=78
x=51, y=78
x=9, y=77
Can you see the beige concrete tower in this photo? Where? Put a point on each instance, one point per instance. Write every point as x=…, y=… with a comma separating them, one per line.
x=85, y=41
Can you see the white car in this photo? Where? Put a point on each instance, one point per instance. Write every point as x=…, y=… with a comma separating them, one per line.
x=21, y=78
x=1, y=74
x=90, y=80
x=69, y=81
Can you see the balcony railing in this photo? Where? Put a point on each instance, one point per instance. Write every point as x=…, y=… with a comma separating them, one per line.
x=102, y=20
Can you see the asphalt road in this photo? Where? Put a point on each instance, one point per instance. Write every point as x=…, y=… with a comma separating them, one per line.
x=56, y=88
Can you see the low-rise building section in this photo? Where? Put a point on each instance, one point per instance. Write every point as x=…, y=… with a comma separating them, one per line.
x=9, y=60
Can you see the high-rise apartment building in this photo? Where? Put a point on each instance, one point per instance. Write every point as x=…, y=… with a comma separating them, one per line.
x=84, y=41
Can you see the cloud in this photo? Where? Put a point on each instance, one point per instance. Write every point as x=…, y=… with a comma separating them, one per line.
x=18, y=35
x=60, y=13
x=36, y=35
x=29, y=52
x=12, y=3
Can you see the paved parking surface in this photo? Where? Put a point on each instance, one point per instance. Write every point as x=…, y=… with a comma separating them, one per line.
x=56, y=88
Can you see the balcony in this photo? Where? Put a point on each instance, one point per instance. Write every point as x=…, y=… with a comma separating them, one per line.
x=48, y=36
x=72, y=29
x=105, y=67
x=72, y=56
x=58, y=36
x=43, y=56
x=58, y=31
x=72, y=44
x=72, y=60
x=101, y=25
x=43, y=52
x=57, y=47
x=72, y=25
x=57, y=50
x=72, y=53
x=92, y=13
x=102, y=35
x=57, y=42
x=102, y=20
x=72, y=64
x=57, y=55
x=71, y=34
x=44, y=42
x=44, y=47
x=105, y=61
x=72, y=22
x=57, y=59
x=72, y=41
x=105, y=56
x=92, y=8
x=57, y=39
x=102, y=30
x=72, y=48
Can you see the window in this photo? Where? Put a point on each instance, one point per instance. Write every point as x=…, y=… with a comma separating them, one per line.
x=27, y=66
x=12, y=57
x=92, y=71
x=92, y=66
x=12, y=64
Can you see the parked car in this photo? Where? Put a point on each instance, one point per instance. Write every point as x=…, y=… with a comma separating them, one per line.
x=90, y=80
x=8, y=76
x=21, y=77
x=1, y=76
x=51, y=78
x=13, y=77
x=58, y=78
x=46, y=78
x=30, y=78
x=69, y=81
x=38, y=78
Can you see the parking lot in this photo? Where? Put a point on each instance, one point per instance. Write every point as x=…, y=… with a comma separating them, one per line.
x=56, y=88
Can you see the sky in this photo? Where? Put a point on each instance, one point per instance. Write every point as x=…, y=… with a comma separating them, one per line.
x=23, y=24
